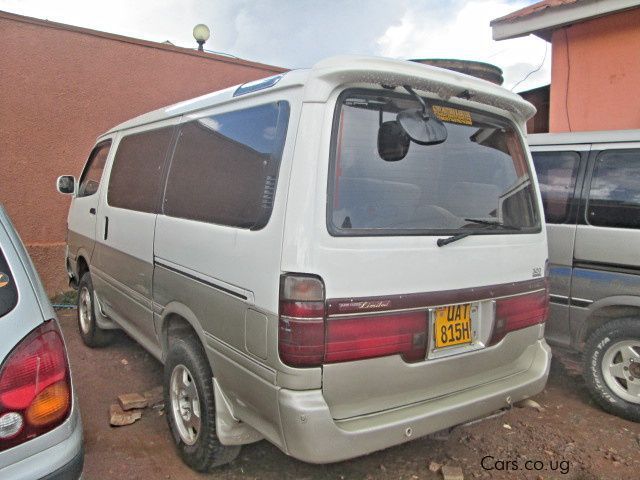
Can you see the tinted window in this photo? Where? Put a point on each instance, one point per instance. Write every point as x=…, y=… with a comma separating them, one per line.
x=8, y=291
x=225, y=167
x=479, y=172
x=90, y=179
x=557, y=172
x=137, y=170
x=614, y=198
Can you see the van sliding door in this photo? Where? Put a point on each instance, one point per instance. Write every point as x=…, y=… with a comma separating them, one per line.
x=606, y=249
x=560, y=178
x=123, y=262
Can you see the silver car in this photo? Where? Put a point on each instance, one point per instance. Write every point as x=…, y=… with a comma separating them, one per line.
x=40, y=427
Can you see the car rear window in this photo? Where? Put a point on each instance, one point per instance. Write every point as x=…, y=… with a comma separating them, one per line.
x=480, y=172
x=8, y=291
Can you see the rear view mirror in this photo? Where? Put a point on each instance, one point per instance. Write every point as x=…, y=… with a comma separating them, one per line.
x=66, y=184
x=393, y=142
x=422, y=127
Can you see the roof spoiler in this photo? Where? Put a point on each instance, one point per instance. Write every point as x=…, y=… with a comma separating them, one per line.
x=440, y=82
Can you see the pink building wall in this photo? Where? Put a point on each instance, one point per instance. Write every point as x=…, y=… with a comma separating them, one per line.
x=595, y=76
x=60, y=87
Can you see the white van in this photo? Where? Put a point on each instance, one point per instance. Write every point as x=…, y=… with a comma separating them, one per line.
x=338, y=259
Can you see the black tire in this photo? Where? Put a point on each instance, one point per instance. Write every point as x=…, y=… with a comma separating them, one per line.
x=92, y=335
x=601, y=347
x=207, y=452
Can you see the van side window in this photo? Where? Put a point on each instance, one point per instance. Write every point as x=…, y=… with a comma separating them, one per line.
x=557, y=172
x=137, y=170
x=90, y=178
x=614, y=197
x=225, y=167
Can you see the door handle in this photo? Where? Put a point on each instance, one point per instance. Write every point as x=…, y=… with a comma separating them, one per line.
x=106, y=227
x=92, y=211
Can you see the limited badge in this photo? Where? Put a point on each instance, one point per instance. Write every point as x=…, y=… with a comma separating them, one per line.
x=4, y=279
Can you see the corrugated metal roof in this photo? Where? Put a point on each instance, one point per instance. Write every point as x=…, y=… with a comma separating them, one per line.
x=543, y=17
x=531, y=9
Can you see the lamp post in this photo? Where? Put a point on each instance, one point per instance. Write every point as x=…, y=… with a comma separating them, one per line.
x=201, y=33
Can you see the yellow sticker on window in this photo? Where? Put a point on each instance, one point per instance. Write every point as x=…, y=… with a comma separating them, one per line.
x=453, y=115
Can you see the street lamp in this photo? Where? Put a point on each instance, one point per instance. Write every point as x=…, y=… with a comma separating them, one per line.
x=201, y=33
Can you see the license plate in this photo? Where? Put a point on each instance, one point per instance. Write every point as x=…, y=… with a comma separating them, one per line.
x=452, y=325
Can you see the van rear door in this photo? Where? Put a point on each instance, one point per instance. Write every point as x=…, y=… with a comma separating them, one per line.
x=407, y=320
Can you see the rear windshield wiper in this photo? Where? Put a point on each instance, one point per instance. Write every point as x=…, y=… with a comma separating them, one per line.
x=492, y=223
x=454, y=238
x=487, y=224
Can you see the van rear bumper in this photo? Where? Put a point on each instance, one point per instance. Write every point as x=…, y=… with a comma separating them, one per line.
x=312, y=435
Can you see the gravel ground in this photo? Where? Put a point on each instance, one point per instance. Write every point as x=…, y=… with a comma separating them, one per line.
x=571, y=438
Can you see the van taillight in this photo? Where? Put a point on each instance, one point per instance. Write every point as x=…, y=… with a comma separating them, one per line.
x=301, y=322
x=306, y=338
x=35, y=386
x=376, y=336
x=518, y=312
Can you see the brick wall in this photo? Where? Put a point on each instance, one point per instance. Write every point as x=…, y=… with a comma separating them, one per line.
x=60, y=87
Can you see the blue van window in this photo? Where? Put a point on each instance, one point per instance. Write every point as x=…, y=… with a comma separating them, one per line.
x=557, y=172
x=614, y=197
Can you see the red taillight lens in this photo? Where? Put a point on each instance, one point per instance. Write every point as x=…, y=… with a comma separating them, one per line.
x=376, y=336
x=518, y=312
x=305, y=339
x=301, y=341
x=301, y=324
x=35, y=384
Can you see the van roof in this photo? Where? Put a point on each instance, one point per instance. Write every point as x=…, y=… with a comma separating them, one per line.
x=573, y=138
x=326, y=75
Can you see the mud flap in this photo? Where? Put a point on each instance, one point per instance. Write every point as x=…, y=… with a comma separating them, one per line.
x=102, y=319
x=229, y=429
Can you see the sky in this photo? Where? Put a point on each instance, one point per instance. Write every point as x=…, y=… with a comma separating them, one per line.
x=298, y=33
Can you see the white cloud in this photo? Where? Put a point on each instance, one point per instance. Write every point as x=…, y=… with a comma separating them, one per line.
x=466, y=34
x=299, y=33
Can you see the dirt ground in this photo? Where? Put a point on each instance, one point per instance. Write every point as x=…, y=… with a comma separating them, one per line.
x=572, y=438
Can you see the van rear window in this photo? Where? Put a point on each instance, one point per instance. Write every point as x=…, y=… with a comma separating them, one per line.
x=8, y=290
x=478, y=176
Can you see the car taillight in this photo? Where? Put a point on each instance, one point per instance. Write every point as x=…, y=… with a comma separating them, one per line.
x=518, y=312
x=35, y=386
x=307, y=339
